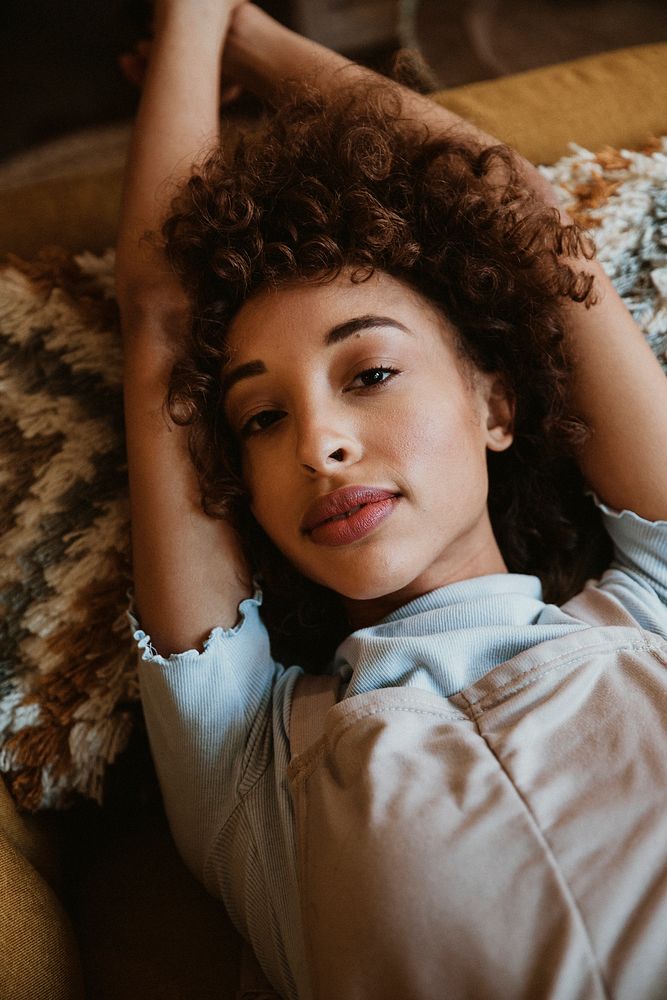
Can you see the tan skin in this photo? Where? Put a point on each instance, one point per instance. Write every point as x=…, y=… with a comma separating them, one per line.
x=189, y=570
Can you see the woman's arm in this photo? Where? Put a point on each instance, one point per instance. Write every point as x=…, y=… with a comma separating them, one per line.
x=189, y=571
x=619, y=389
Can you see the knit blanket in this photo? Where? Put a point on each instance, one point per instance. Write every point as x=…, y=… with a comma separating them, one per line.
x=68, y=669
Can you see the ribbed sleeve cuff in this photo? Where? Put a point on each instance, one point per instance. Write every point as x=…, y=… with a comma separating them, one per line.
x=631, y=522
x=247, y=609
x=639, y=545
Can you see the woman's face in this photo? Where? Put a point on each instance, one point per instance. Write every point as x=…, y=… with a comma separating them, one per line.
x=363, y=443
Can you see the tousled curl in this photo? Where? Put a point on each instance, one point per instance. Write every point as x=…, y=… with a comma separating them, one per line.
x=349, y=182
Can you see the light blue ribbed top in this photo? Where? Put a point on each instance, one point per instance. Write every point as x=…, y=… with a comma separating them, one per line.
x=218, y=721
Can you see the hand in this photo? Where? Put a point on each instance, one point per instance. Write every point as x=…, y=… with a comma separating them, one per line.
x=134, y=64
x=254, y=50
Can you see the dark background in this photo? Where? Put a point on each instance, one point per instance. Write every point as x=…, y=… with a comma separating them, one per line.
x=59, y=71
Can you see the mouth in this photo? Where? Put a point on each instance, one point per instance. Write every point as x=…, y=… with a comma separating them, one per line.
x=341, y=505
x=348, y=515
x=341, y=517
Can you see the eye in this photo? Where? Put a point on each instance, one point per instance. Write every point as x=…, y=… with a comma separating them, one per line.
x=371, y=377
x=260, y=422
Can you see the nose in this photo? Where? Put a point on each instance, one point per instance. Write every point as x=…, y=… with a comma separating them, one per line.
x=322, y=447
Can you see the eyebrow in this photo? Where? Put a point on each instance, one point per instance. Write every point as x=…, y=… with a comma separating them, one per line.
x=337, y=334
x=352, y=326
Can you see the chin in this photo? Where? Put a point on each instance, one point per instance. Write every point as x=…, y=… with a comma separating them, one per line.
x=371, y=586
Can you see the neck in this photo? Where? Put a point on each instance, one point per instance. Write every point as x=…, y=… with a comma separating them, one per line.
x=484, y=561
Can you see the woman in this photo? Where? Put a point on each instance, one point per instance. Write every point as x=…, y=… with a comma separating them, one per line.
x=382, y=350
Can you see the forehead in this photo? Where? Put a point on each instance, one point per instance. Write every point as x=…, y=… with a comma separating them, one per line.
x=308, y=310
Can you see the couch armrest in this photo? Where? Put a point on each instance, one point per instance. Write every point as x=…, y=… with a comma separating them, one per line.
x=616, y=98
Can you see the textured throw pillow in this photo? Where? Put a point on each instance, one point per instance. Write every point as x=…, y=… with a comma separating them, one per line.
x=68, y=686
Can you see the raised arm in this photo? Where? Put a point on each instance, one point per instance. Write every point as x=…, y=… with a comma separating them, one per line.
x=619, y=389
x=189, y=571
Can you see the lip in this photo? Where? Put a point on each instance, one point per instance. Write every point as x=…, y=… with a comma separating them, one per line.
x=374, y=505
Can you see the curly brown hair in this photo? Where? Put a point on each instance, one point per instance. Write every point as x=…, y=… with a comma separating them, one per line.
x=349, y=182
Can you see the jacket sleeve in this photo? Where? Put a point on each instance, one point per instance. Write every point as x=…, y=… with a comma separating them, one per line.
x=637, y=575
x=204, y=714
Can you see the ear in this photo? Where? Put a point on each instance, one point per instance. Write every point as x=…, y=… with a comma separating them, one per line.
x=498, y=412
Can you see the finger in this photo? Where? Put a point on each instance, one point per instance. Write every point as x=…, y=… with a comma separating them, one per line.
x=229, y=92
x=133, y=68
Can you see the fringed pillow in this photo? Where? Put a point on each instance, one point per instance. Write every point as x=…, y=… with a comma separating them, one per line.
x=68, y=684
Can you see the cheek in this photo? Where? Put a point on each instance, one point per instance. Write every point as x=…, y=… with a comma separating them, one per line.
x=267, y=490
x=251, y=471
x=431, y=434
x=438, y=450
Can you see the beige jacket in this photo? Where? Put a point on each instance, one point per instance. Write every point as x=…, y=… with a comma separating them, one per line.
x=507, y=842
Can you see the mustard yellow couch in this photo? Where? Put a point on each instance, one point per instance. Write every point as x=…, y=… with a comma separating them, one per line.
x=94, y=901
